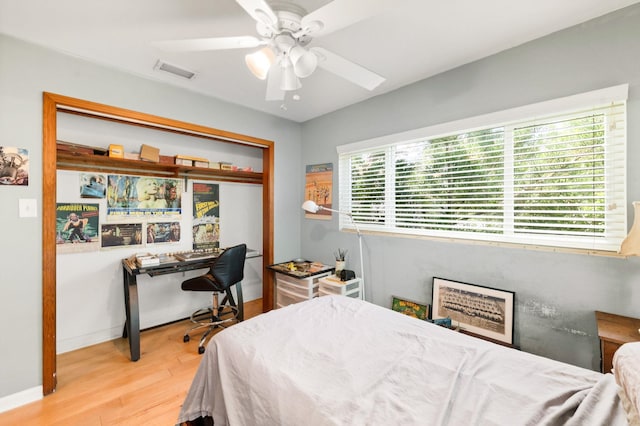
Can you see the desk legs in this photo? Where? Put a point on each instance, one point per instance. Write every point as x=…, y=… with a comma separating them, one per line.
x=132, y=325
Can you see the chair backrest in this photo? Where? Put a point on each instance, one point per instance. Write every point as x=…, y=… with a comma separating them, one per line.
x=228, y=269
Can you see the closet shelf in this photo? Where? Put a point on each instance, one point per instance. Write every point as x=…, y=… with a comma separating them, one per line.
x=104, y=164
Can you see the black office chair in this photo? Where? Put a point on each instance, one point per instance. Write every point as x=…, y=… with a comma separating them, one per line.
x=226, y=271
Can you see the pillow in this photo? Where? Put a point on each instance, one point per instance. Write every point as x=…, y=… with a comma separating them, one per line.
x=626, y=369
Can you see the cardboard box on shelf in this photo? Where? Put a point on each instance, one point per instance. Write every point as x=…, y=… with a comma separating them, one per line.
x=226, y=166
x=149, y=153
x=184, y=162
x=166, y=159
x=214, y=165
x=76, y=149
x=116, y=151
x=131, y=156
x=201, y=164
x=187, y=160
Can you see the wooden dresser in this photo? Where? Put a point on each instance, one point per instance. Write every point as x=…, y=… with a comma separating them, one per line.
x=614, y=331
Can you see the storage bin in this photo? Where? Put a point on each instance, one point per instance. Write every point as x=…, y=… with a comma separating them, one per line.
x=284, y=297
x=298, y=290
x=292, y=290
x=353, y=294
x=333, y=285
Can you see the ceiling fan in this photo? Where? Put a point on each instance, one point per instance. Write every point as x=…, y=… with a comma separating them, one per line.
x=285, y=30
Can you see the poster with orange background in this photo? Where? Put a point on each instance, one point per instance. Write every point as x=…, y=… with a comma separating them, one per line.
x=319, y=188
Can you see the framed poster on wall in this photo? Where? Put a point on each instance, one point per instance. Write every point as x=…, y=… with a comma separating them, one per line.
x=319, y=188
x=77, y=226
x=143, y=196
x=206, y=216
x=14, y=166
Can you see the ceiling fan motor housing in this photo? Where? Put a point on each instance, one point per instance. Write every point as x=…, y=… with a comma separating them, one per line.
x=289, y=21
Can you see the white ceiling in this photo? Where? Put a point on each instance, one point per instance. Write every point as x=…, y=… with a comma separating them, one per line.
x=414, y=40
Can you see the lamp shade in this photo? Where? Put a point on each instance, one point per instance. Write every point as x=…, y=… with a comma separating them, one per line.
x=259, y=62
x=304, y=62
x=290, y=80
x=631, y=244
x=310, y=206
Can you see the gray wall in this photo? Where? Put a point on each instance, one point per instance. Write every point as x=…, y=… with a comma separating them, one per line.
x=556, y=293
x=25, y=72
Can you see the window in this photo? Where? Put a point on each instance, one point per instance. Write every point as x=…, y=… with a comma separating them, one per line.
x=557, y=179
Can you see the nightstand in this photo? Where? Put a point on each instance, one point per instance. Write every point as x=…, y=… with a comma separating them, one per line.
x=614, y=331
x=333, y=285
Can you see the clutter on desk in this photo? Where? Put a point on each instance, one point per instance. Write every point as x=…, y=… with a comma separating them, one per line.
x=147, y=259
x=300, y=268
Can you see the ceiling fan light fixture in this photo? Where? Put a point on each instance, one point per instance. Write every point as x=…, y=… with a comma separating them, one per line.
x=304, y=61
x=259, y=62
x=290, y=80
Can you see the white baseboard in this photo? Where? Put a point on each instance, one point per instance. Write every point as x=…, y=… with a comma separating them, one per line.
x=18, y=399
x=63, y=345
x=77, y=342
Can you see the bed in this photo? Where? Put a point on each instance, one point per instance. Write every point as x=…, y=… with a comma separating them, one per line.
x=335, y=360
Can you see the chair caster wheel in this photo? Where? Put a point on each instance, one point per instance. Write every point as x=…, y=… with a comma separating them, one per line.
x=185, y=338
x=200, y=350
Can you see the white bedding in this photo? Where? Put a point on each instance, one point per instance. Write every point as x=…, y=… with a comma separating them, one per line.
x=340, y=361
x=626, y=367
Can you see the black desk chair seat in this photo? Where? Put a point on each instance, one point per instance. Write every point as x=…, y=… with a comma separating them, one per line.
x=226, y=272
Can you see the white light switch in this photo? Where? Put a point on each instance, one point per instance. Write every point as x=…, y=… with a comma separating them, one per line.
x=28, y=207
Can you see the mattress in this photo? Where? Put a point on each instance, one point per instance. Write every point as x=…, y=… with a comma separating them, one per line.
x=336, y=360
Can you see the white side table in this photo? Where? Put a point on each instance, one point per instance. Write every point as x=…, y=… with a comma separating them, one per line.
x=332, y=285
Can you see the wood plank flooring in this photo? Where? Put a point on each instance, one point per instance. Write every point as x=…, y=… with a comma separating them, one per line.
x=99, y=385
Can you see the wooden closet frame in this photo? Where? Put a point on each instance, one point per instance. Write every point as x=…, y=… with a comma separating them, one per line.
x=52, y=104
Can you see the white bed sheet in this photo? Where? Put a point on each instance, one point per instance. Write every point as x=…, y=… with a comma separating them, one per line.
x=626, y=367
x=340, y=361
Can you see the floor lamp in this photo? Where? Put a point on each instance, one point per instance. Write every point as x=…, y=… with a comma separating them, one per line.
x=312, y=207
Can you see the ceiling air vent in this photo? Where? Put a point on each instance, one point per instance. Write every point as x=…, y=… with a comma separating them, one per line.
x=173, y=69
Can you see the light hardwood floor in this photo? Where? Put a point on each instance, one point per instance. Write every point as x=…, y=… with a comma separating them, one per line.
x=99, y=385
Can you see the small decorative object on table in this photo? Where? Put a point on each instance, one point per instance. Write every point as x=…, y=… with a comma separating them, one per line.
x=340, y=255
x=443, y=322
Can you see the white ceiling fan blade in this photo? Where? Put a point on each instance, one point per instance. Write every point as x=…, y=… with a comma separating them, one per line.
x=346, y=69
x=260, y=11
x=341, y=13
x=274, y=92
x=215, y=43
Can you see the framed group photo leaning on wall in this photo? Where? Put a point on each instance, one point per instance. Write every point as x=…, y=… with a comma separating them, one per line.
x=476, y=309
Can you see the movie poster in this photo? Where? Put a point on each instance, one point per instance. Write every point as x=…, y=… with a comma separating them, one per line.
x=140, y=196
x=121, y=234
x=163, y=232
x=318, y=188
x=206, y=216
x=93, y=185
x=14, y=166
x=77, y=227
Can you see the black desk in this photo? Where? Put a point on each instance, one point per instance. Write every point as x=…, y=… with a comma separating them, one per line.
x=130, y=271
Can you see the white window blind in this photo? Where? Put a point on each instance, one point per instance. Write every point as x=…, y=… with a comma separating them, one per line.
x=555, y=180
